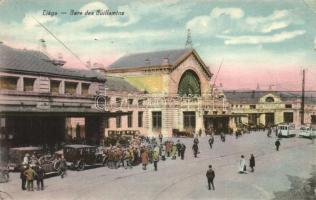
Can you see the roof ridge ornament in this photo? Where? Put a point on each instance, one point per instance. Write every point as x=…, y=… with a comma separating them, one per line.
x=189, y=43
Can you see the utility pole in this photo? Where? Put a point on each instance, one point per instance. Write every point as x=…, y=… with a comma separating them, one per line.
x=303, y=99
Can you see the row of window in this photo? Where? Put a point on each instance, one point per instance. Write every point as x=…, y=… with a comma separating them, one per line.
x=286, y=106
x=288, y=117
x=129, y=120
x=11, y=83
x=253, y=106
x=118, y=101
x=189, y=120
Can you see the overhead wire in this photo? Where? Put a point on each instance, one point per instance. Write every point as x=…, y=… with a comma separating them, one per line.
x=54, y=36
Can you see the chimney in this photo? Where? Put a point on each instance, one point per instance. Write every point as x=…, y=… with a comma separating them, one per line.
x=98, y=67
x=165, y=61
x=43, y=47
x=253, y=94
x=59, y=61
x=147, y=62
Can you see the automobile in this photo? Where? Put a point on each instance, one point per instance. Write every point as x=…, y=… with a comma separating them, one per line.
x=17, y=154
x=50, y=163
x=286, y=130
x=80, y=156
x=307, y=132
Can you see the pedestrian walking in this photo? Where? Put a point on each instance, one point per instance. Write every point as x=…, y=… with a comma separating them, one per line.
x=26, y=159
x=195, y=149
x=222, y=136
x=127, y=157
x=30, y=174
x=63, y=166
x=210, y=175
x=160, y=138
x=196, y=140
x=145, y=158
x=200, y=132
x=40, y=174
x=182, y=150
x=211, y=141
x=242, y=165
x=174, y=152
x=238, y=133
x=269, y=132
x=277, y=144
x=156, y=159
x=23, y=177
x=163, y=153
x=276, y=131
x=178, y=147
x=168, y=148
x=252, y=162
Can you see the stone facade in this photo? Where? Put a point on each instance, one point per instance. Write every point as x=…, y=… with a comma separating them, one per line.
x=270, y=108
x=161, y=86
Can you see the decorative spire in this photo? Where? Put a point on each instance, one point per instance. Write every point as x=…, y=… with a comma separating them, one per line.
x=188, y=43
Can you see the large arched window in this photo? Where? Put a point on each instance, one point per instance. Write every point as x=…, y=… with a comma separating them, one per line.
x=269, y=99
x=189, y=84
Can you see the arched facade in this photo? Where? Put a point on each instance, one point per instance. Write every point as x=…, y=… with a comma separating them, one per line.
x=189, y=84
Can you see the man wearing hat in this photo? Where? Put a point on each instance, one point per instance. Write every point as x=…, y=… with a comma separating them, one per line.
x=23, y=177
x=210, y=175
x=30, y=175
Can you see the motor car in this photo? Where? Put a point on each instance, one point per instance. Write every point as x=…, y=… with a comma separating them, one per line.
x=80, y=156
x=49, y=163
x=307, y=132
x=286, y=130
x=17, y=154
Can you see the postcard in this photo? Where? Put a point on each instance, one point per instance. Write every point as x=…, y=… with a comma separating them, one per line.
x=157, y=100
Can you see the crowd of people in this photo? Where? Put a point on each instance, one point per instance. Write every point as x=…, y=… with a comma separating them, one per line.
x=140, y=151
x=143, y=150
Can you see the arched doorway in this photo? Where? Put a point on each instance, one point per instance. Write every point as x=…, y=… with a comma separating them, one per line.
x=189, y=84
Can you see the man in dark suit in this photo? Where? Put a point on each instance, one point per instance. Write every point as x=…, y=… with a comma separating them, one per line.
x=210, y=175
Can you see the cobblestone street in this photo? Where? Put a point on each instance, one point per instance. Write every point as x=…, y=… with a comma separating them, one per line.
x=178, y=179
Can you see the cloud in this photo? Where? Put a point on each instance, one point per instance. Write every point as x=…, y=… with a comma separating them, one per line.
x=279, y=19
x=157, y=10
x=234, y=13
x=260, y=39
x=276, y=15
x=234, y=20
x=267, y=28
x=29, y=22
x=216, y=22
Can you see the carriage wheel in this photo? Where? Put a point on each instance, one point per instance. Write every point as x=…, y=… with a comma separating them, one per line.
x=81, y=166
x=57, y=165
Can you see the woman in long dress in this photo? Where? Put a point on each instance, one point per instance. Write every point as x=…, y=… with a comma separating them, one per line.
x=242, y=165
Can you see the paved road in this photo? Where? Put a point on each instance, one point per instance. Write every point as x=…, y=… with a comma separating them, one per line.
x=178, y=179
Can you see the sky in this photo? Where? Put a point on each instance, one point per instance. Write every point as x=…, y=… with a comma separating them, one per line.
x=259, y=43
